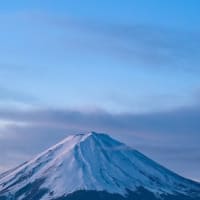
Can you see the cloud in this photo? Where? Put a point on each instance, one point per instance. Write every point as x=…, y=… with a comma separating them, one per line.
x=150, y=45
x=178, y=121
x=136, y=45
x=13, y=96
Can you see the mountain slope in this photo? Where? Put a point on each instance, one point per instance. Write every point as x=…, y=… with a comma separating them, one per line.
x=94, y=166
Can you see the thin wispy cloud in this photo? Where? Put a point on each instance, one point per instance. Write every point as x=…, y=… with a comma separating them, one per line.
x=13, y=96
x=139, y=45
x=150, y=45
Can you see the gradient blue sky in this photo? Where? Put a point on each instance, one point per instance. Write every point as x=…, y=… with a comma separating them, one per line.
x=129, y=68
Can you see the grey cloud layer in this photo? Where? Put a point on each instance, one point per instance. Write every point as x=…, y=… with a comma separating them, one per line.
x=179, y=121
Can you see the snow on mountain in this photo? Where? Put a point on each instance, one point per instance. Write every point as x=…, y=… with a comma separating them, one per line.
x=92, y=162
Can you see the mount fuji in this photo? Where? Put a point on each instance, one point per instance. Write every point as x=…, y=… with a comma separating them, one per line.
x=94, y=166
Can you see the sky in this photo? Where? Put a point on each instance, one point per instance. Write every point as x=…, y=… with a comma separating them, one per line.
x=126, y=68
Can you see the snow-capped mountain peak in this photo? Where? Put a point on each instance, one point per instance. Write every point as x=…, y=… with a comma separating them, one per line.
x=93, y=162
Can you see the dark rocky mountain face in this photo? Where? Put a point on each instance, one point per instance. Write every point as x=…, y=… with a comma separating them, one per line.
x=140, y=194
x=32, y=192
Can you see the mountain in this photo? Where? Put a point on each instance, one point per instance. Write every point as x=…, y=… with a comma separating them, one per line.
x=94, y=167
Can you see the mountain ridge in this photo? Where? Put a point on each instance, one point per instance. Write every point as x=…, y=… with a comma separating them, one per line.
x=90, y=162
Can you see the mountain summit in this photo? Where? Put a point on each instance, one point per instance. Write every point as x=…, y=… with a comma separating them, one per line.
x=94, y=167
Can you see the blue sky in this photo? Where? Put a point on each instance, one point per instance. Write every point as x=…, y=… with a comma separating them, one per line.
x=98, y=64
